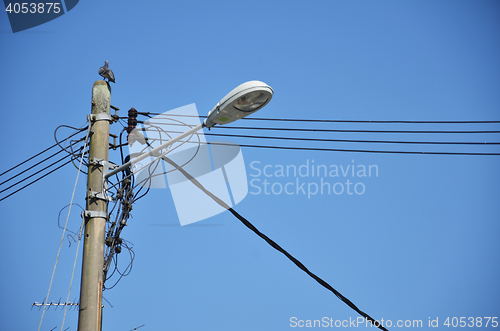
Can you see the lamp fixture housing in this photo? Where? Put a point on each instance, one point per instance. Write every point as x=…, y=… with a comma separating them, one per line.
x=244, y=100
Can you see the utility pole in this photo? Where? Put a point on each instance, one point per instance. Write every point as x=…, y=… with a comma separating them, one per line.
x=90, y=313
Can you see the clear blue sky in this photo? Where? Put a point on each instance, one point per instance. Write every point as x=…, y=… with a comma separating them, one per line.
x=421, y=241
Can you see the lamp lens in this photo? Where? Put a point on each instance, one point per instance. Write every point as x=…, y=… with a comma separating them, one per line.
x=251, y=101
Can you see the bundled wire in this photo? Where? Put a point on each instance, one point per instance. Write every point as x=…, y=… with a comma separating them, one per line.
x=127, y=191
x=114, y=242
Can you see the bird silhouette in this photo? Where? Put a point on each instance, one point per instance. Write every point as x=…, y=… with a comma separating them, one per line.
x=105, y=72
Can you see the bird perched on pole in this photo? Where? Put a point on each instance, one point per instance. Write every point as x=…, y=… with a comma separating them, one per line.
x=106, y=72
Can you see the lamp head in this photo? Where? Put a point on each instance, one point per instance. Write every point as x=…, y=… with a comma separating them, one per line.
x=244, y=100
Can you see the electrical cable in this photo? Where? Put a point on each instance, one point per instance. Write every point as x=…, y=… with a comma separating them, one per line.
x=74, y=267
x=84, y=162
x=149, y=164
x=127, y=197
x=352, y=131
x=350, y=140
x=368, y=121
x=22, y=172
x=328, y=150
x=66, y=126
x=347, y=140
x=113, y=241
x=36, y=180
x=274, y=244
x=62, y=228
x=65, y=225
x=159, y=129
x=127, y=270
x=367, y=151
x=73, y=143
x=355, y=150
x=45, y=150
x=332, y=121
x=36, y=173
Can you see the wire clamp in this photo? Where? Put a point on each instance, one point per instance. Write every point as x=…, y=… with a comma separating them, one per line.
x=100, y=196
x=104, y=163
x=95, y=213
x=100, y=117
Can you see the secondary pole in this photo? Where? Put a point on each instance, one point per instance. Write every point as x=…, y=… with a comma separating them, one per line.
x=90, y=313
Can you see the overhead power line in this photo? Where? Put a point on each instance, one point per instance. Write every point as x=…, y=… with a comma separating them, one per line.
x=326, y=130
x=36, y=173
x=349, y=140
x=332, y=121
x=37, y=164
x=349, y=150
x=36, y=180
x=355, y=131
x=71, y=154
x=362, y=150
x=368, y=121
x=38, y=154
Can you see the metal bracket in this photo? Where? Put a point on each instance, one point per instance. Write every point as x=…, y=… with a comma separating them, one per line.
x=100, y=195
x=108, y=164
x=100, y=117
x=113, y=145
x=95, y=213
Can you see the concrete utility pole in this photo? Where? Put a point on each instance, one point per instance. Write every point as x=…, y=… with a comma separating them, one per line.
x=90, y=314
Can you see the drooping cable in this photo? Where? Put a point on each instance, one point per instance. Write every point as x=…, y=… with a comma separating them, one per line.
x=65, y=126
x=275, y=245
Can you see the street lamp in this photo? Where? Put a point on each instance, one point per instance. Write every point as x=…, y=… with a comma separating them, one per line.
x=244, y=100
